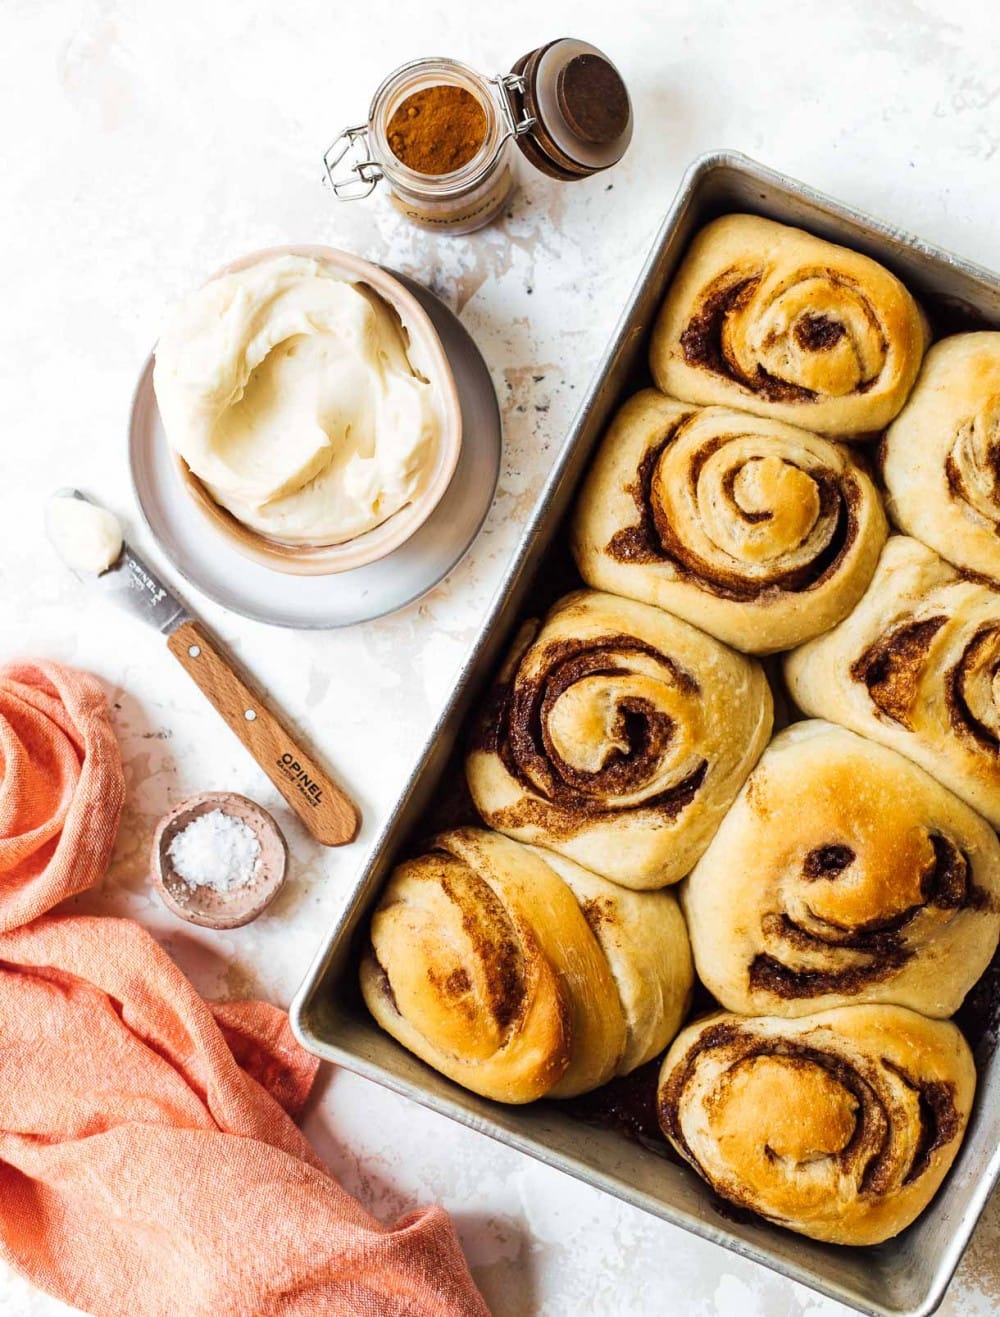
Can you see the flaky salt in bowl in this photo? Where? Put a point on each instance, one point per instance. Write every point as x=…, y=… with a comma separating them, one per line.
x=218, y=859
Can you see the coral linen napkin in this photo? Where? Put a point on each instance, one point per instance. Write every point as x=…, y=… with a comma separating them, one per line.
x=61, y=788
x=149, y=1163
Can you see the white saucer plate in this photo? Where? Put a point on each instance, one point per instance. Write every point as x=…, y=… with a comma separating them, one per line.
x=209, y=564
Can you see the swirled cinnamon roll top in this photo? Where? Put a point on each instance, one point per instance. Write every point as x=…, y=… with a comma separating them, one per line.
x=770, y=319
x=757, y=532
x=843, y=873
x=840, y=1125
x=520, y=975
x=941, y=456
x=916, y=666
x=617, y=736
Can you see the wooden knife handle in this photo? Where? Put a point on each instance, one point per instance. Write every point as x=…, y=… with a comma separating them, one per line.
x=326, y=811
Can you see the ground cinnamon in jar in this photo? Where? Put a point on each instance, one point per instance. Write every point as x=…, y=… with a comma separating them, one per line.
x=438, y=129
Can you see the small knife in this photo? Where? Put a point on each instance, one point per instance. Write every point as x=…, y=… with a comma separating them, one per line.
x=329, y=814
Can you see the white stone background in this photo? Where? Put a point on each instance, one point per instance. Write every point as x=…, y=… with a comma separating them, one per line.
x=144, y=144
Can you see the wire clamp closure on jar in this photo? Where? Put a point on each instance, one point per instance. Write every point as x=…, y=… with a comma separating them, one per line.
x=361, y=177
x=510, y=85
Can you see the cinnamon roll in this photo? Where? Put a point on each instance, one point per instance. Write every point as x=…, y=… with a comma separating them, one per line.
x=840, y=1125
x=645, y=942
x=941, y=456
x=759, y=533
x=916, y=666
x=884, y=888
x=618, y=736
x=778, y=322
x=517, y=974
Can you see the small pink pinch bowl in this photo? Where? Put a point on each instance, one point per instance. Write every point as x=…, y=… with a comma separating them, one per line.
x=203, y=905
x=381, y=540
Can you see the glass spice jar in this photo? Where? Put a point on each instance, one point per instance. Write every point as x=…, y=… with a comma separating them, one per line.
x=564, y=106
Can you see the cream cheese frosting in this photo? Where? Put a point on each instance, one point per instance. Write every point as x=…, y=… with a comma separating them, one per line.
x=86, y=536
x=295, y=398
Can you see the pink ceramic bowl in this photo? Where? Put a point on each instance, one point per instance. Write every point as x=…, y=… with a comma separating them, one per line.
x=325, y=559
x=204, y=905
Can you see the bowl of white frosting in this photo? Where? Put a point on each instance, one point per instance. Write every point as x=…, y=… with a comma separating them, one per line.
x=310, y=407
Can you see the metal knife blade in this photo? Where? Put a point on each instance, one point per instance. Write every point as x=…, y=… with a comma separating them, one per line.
x=134, y=585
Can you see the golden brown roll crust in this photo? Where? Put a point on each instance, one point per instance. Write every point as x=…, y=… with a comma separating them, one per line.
x=915, y=667
x=645, y=941
x=843, y=872
x=618, y=736
x=520, y=975
x=773, y=320
x=940, y=455
x=839, y=1125
x=482, y=964
x=759, y=533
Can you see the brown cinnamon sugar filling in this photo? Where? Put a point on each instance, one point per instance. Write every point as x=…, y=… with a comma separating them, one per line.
x=869, y=1150
x=515, y=722
x=703, y=338
x=957, y=484
x=826, y=861
x=815, y=333
x=869, y=1142
x=946, y=885
x=892, y=667
x=702, y=341
x=652, y=539
x=487, y=925
x=939, y=1120
x=962, y=717
x=768, y=974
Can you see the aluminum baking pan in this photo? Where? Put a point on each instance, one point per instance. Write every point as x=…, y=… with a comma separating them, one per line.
x=907, y=1275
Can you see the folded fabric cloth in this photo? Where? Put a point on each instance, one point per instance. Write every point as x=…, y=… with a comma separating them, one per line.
x=143, y=1170
x=149, y=1163
x=61, y=787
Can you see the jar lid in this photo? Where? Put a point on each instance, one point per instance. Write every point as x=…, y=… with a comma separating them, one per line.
x=581, y=109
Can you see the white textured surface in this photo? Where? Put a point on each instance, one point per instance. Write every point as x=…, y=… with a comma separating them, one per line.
x=144, y=145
